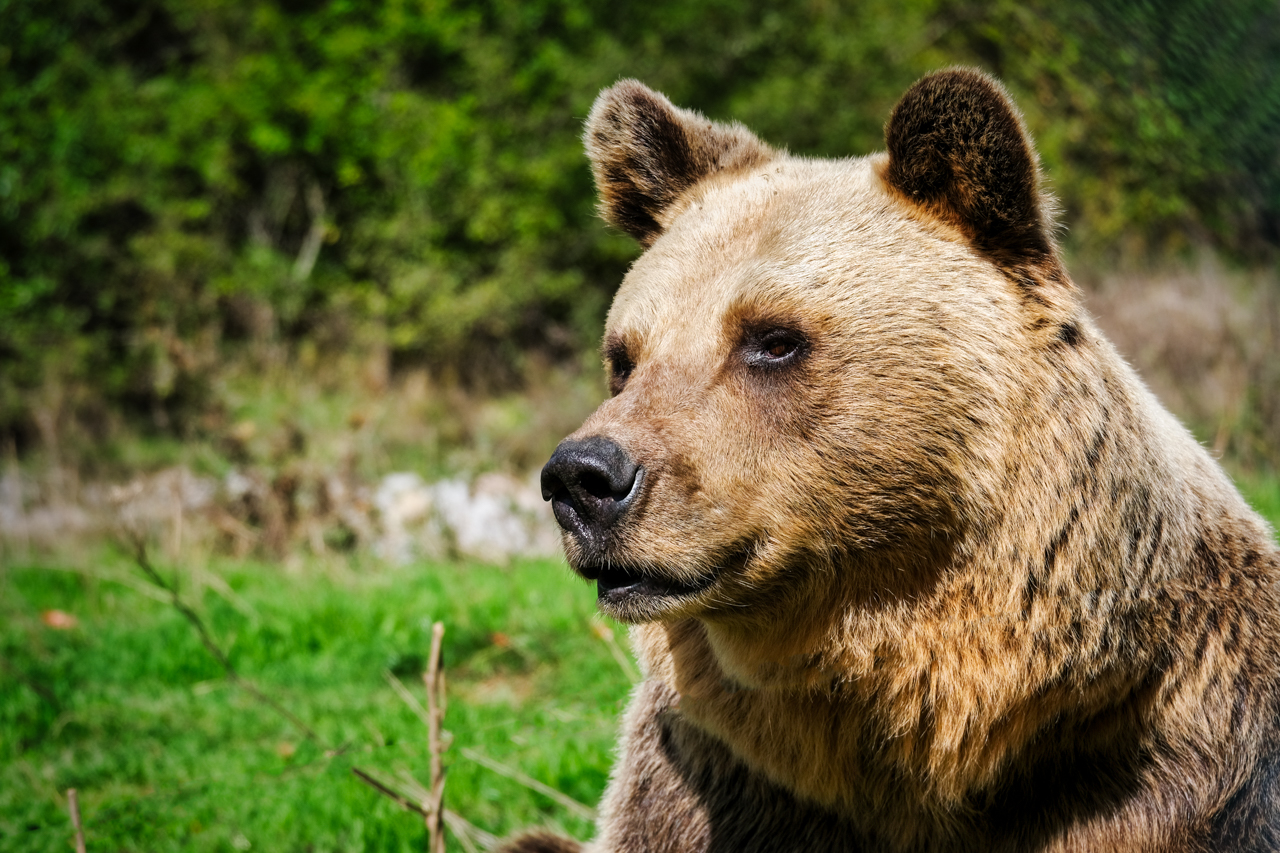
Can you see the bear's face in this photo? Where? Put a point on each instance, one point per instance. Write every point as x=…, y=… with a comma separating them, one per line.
x=797, y=367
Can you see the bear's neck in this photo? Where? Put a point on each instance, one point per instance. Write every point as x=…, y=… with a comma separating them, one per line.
x=1049, y=632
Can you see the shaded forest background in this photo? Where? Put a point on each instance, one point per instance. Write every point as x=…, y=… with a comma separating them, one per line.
x=209, y=188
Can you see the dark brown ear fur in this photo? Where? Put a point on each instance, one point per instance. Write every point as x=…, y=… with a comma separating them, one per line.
x=957, y=147
x=646, y=153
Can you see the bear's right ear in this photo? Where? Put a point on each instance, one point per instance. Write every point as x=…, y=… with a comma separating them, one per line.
x=646, y=153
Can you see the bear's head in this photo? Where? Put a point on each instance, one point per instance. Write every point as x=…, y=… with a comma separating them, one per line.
x=817, y=366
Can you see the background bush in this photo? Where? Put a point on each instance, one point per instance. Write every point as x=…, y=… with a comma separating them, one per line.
x=188, y=183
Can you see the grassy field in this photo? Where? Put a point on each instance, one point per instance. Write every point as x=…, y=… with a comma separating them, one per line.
x=166, y=754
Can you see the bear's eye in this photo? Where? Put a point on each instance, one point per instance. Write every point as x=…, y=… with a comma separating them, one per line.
x=774, y=348
x=620, y=367
x=781, y=348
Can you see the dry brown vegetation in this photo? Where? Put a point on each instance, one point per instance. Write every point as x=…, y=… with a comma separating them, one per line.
x=1207, y=341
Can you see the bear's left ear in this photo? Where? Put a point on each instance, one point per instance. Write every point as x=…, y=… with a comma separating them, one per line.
x=646, y=154
x=958, y=148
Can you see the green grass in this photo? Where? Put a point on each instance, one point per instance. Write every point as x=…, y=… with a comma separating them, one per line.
x=1262, y=490
x=166, y=754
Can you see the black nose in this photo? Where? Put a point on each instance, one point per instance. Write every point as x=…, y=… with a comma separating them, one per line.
x=590, y=484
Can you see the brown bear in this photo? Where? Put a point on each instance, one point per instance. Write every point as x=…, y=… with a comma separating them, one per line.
x=914, y=560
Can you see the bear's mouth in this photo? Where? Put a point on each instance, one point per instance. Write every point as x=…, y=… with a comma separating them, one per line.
x=649, y=592
x=615, y=582
x=620, y=588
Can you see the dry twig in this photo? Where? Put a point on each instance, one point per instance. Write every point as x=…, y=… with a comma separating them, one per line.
x=73, y=805
x=387, y=791
x=408, y=698
x=604, y=632
x=434, y=680
x=464, y=830
x=582, y=811
x=141, y=587
x=468, y=834
x=144, y=563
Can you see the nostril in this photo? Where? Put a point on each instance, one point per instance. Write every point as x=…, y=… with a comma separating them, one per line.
x=598, y=486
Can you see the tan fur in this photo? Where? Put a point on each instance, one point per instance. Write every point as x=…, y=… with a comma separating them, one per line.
x=966, y=585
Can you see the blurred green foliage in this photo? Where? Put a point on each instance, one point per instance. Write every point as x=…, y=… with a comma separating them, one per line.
x=181, y=181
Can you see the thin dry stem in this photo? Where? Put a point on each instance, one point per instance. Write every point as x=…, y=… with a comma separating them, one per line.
x=582, y=811
x=73, y=805
x=396, y=797
x=408, y=698
x=434, y=680
x=467, y=833
x=144, y=563
x=141, y=587
x=624, y=661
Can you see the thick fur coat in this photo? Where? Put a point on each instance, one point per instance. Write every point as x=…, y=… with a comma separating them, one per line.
x=914, y=559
